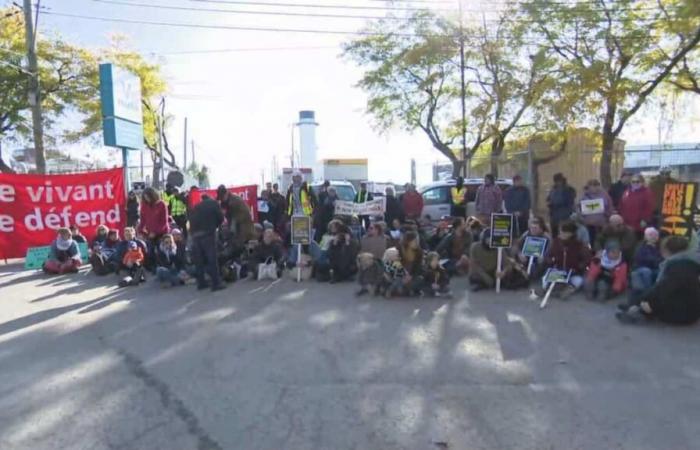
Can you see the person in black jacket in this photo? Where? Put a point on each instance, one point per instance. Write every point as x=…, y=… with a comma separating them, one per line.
x=675, y=297
x=268, y=250
x=205, y=220
x=617, y=190
x=394, y=210
x=169, y=263
x=132, y=209
x=325, y=212
x=561, y=203
x=342, y=255
x=517, y=202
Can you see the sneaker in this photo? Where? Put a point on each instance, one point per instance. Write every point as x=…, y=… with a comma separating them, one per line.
x=623, y=307
x=633, y=316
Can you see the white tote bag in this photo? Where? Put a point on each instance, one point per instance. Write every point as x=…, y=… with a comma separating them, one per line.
x=267, y=270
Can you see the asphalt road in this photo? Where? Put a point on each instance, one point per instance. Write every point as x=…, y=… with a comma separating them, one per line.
x=84, y=365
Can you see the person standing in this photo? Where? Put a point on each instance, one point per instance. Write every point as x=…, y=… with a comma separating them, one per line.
x=132, y=209
x=393, y=207
x=412, y=203
x=277, y=208
x=325, y=213
x=300, y=200
x=363, y=197
x=517, y=202
x=637, y=205
x=155, y=219
x=458, y=197
x=597, y=220
x=205, y=220
x=489, y=199
x=561, y=202
x=238, y=217
x=178, y=209
x=617, y=190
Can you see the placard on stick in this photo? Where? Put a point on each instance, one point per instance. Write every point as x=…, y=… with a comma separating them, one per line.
x=501, y=230
x=301, y=230
x=678, y=208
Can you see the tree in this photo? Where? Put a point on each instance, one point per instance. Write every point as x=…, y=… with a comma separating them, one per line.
x=63, y=71
x=411, y=79
x=511, y=79
x=616, y=54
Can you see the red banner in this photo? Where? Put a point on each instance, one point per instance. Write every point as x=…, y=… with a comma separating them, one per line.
x=33, y=207
x=249, y=194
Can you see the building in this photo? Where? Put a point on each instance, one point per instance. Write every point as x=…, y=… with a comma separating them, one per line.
x=353, y=170
x=683, y=159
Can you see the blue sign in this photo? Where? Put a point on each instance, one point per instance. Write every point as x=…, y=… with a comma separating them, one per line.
x=120, y=93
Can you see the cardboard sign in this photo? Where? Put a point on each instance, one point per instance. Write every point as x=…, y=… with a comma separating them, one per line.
x=557, y=276
x=375, y=207
x=594, y=206
x=678, y=208
x=501, y=230
x=301, y=230
x=36, y=256
x=534, y=247
x=33, y=207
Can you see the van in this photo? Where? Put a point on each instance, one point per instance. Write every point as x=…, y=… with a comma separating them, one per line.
x=346, y=191
x=437, y=197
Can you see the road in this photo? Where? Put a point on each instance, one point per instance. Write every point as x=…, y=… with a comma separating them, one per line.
x=85, y=365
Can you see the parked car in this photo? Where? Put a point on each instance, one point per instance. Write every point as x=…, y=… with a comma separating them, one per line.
x=437, y=196
x=346, y=191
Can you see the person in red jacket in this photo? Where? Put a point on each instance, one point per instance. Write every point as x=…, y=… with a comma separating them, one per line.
x=570, y=254
x=412, y=203
x=637, y=205
x=155, y=220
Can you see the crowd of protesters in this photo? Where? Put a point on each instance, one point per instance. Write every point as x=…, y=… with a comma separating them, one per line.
x=615, y=252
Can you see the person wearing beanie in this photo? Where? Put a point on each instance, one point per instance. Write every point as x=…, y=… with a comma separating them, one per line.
x=64, y=256
x=607, y=275
x=569, y=254
x=645, y=267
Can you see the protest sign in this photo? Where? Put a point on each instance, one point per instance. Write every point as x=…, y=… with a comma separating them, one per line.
x=501, y=230
x=594, y=206
x=552, y=278
x=375, y=207
x=534, y=247
x=678, y=208
x=36, y=256
x=33, y=207
x=249, y=194
x=301, y=230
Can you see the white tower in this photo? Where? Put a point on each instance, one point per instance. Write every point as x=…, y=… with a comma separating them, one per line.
x=308, y=148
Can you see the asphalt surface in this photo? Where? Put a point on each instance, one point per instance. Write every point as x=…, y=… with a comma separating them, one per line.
x=85, y=365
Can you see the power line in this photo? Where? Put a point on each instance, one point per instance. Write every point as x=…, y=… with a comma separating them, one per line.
x=222, y=27
x=235, y=50
x=316, y=5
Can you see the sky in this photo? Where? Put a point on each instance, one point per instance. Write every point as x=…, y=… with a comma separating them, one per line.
x=241, y=104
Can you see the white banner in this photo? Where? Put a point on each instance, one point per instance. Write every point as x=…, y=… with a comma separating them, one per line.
x=370, y=208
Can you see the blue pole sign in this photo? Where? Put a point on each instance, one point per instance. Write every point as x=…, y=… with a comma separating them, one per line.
x=120, y=93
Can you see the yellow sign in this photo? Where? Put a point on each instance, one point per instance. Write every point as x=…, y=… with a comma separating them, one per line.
x=678, y=208
x=345, y=162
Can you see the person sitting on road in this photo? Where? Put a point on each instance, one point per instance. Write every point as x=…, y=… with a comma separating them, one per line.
x=370, y=273
x=123, y=247
x=582, y=233
x=342, y=255
x=394, y=273
x=569, y=254
x=169, y=263
x=103, y=257
x=375, y=241
x=436, y=280
x=412, y=260
x=455, y=247
x=483, y=263
x=645, y=267
x=268, y=251
x=100, y=236
x=616, y=230
x=64, y=256
x=76, y=235
x=133, y=261
x=675, y=297
x=607, y=275
x=537, y=228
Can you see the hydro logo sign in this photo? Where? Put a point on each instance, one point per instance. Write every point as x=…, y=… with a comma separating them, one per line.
x=120, y=93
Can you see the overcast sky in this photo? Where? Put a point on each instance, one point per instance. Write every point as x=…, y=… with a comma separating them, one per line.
x=240, y=104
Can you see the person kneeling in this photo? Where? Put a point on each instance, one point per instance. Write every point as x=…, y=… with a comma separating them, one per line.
x=607, y=275
x=169, y=263
x=133, y=261
x=64, y=256
x=394, y=273
x=436, y=281
x=371, y=273
x=675, y=297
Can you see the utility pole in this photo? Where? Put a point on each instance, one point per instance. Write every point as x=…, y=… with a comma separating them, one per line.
x=193, y=160
x=465, y=168
x=184, y=149
x=34, y=91
x=292, y=157
x=413, y=172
